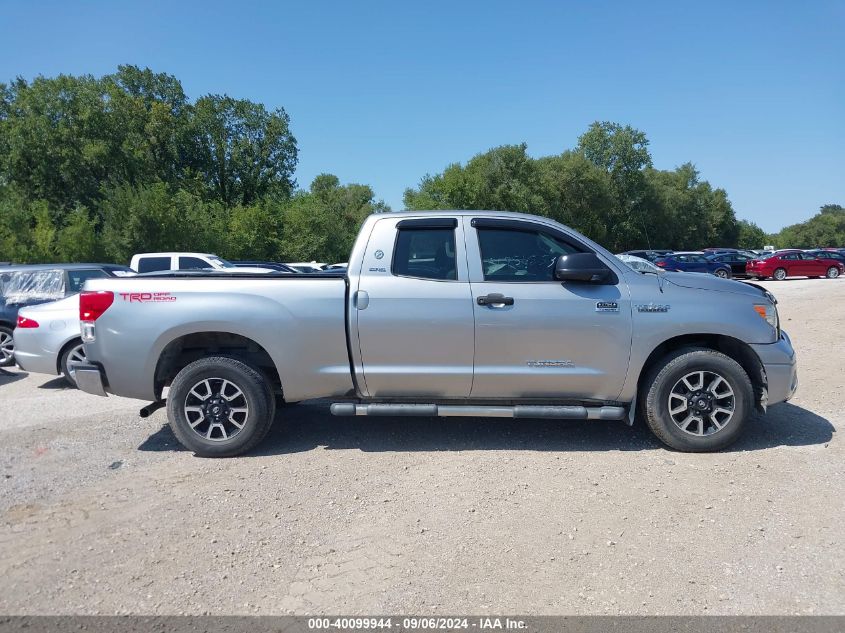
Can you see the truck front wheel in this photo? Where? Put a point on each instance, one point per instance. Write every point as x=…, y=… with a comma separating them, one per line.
x=697, y=400
x=220, y=407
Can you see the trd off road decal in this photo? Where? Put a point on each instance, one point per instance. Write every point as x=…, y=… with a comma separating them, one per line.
x=146, y=297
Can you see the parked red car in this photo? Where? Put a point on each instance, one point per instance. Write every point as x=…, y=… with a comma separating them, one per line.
x=793, y=263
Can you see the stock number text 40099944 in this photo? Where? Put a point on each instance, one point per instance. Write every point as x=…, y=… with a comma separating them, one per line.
x=416, y=623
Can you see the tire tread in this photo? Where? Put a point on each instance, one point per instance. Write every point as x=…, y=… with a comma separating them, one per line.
x=654, y=383
x=251, y=375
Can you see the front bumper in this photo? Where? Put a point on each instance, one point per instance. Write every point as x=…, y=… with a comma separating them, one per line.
x=90, y=378
x=781, y=367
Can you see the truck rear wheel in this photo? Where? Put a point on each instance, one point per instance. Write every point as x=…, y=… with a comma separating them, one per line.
x=697, y=400
x=220, y=407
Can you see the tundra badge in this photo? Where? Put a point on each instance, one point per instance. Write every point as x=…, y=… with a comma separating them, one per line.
x=653, y=307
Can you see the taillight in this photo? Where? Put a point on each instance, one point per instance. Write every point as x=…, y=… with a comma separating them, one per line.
x=660, y=263
x=92, y=304
x=23, y=322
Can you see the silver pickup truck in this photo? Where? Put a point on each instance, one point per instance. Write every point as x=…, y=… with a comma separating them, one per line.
x=447, y=313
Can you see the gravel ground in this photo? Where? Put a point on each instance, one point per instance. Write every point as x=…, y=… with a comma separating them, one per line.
x=101, y=512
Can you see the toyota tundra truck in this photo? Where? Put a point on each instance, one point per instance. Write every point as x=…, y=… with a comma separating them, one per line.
x=446, y=313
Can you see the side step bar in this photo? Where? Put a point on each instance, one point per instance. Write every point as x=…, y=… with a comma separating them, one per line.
x=445, y=411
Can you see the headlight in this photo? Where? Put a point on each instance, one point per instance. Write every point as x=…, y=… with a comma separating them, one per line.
x=769, y=312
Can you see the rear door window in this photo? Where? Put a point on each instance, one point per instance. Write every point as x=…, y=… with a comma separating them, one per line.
x=426, y=253
x=153, y=264
x=193, y=263
x=77, y=278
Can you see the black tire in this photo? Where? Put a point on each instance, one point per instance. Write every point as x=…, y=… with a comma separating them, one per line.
x=64, y=361
x=832, y=272
x=256, y=396
x=722, y=273
x=7, y=347
x=775, y=274
x=668, y=374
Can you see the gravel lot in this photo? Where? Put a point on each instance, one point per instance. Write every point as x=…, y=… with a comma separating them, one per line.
x=102, y=513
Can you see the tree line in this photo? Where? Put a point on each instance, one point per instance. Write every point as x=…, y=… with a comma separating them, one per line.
x=101, y=168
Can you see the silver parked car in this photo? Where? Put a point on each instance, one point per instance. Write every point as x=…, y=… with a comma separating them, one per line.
x=47, y=339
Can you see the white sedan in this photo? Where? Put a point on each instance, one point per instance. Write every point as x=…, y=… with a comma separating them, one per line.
x=47, y=338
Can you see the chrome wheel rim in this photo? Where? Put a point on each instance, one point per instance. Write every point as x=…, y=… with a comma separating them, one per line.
x=702, y=403
x=832, y=272
x=76, y=355
x=722, y=274
x=780, y=274
x=216, y=409
x=7, y=346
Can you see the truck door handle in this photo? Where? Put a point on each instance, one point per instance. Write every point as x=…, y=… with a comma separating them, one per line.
x=495, y=300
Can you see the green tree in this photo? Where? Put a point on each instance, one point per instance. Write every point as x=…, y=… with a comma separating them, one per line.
x=577, y=193
x=77, y=240
x=242, y=151
x=750, y=235
x=605, y=188
x=16, y=222
x=622, y=151
x=503, y=178
x=323, y=222
x=826, y=228
x=64, y=137
x=254, y=231
x=155, y=218
x=43, y=233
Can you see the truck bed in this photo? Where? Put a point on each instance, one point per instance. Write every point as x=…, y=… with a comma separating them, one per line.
x=299, y=320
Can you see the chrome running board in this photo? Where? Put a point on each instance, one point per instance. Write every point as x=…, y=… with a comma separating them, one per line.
x=447, y=411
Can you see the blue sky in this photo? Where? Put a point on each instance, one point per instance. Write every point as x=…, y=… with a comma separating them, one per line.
x=384, y=92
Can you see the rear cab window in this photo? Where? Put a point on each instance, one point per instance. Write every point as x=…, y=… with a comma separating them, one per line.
x=153, y=264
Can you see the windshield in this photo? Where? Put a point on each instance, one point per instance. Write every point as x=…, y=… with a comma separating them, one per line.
x=221, y=262
x=37, y=285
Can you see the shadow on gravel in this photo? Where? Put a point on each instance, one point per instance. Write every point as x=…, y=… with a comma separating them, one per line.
x=304, y=427
x=785, y=425
x=7, y=377
x=161, y=440
x=58, y=383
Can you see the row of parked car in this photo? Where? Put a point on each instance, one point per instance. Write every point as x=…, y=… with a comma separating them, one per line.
x=45, y=296
x=729, y=262
x=158, y=262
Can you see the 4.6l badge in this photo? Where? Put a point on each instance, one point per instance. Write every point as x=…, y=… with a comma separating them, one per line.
x=607, y=306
